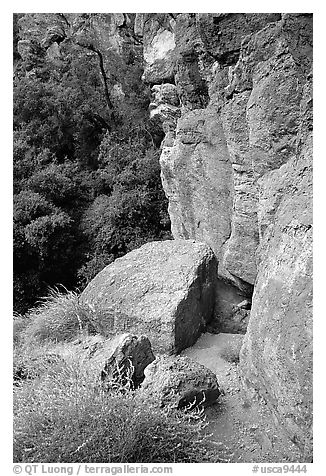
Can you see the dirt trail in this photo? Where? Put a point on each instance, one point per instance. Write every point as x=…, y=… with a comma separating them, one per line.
x=242, y=431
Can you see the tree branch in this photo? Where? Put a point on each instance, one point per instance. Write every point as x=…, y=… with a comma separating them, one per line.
x=109, y=103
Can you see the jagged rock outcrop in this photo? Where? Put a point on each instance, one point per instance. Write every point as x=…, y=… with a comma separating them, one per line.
x=106, y=36
x=180, y=382
x=157, y=31
x=108, y=31
x=118, y=361
x=165, y=109
x=238, y=177
x=164, y=290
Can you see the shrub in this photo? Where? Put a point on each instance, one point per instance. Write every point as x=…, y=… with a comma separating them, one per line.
x=65, y=416
x=29, y=206
x=75, y=141
x=92, y=267
x=59, y=317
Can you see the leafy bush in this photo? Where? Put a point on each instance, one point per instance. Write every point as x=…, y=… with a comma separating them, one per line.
x=26, y=285
x=29, y=206
x=59, y=317
x=93, y=266
x=66, y=417
x=55, y=182
x=134, y=212
x=86, y=169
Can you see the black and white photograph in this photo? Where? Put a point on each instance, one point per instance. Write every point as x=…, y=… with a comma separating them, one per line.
x=162, y=240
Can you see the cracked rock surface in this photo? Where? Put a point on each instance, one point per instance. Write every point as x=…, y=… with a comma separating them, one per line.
x=238, y=176
x=164, y=290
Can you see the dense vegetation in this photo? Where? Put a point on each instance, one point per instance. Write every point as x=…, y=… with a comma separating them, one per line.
x=86, y=173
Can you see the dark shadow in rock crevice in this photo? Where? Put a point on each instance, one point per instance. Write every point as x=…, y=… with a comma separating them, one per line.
x=232, y=309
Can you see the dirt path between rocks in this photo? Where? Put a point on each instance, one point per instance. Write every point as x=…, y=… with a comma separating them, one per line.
x=241, y=430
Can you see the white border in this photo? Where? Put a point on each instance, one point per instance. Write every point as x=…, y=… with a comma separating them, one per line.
x=319, y=199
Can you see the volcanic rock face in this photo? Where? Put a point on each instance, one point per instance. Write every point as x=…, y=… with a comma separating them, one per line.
x=164, y=290
x=238, y=177
x=277, y=354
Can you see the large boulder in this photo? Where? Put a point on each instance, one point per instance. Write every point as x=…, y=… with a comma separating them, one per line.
x=118, y=361
x=180, y=382
x=164, y=290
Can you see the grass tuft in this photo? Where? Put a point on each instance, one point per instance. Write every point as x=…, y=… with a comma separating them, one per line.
x=65, y=416
x=60, y=317
x=63, y=413
x=19, y=325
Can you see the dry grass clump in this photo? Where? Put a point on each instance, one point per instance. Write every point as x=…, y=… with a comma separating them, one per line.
x=59, y=317
x=67, y=417
x=35, y=361
x=19, y=325
x=62, y=412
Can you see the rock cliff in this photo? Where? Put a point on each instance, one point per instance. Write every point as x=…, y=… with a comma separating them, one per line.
x=233, y=94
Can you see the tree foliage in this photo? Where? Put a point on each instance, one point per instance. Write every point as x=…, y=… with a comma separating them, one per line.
x=86, y=172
